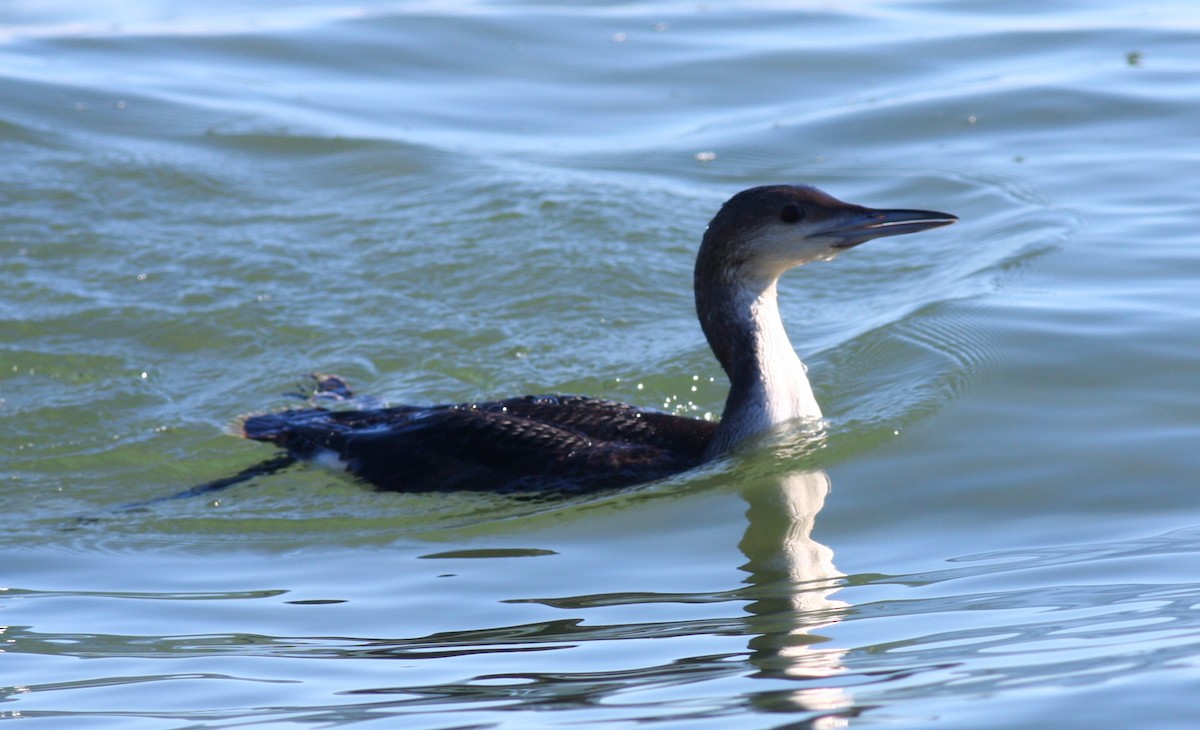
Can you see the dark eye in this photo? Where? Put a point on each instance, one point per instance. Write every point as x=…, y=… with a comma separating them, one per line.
x=791, y=213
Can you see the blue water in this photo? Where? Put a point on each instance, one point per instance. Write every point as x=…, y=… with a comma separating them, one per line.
x=449, y=201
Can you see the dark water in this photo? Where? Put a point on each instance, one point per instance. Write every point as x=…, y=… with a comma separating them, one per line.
x=454, y=201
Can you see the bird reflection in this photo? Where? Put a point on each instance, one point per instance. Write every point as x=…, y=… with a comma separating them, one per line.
x=793, y=579
x=788, y=599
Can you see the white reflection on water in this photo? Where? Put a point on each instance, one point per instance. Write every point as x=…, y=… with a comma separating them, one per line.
x=787, y=515
x=798, y=578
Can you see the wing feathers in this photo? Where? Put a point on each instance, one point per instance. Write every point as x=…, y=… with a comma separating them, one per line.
x=530, y=443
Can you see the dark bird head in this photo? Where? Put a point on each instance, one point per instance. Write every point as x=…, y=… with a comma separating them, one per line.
x=762, y=232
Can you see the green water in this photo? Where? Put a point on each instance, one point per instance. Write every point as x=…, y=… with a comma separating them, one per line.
x=451, y=201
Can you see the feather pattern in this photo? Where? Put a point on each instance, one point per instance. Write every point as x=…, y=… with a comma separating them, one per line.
x=573, y=443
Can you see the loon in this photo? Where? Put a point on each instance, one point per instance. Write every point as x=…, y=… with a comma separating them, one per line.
x=566, y=443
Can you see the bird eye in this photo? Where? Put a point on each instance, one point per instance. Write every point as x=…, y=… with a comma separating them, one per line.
x=791, y=213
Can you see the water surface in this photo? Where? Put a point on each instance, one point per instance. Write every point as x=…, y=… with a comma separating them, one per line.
x=468, y=200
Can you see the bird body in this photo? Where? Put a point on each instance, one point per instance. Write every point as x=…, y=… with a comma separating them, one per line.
x=573, y=443
x=529, y=443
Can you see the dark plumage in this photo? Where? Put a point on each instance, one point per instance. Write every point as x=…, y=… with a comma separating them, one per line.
x=571, y=443
x=564, y=443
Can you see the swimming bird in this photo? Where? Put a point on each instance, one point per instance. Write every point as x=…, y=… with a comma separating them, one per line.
x=574, y=443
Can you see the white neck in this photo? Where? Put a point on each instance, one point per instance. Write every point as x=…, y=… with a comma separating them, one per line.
x=783, y=378
x=768, y=383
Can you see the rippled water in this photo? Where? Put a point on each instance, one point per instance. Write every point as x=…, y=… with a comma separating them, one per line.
x=451, y=201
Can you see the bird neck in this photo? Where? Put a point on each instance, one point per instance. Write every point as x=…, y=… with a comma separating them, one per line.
x=768, y=383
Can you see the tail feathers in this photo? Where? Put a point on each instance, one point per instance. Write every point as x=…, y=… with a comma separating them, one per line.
x=282, y=427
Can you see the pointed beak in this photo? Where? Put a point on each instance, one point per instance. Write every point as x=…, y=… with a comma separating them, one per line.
x=863, y=224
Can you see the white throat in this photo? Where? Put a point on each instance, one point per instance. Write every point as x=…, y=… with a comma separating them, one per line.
x=769, y=385
x=783, y=379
